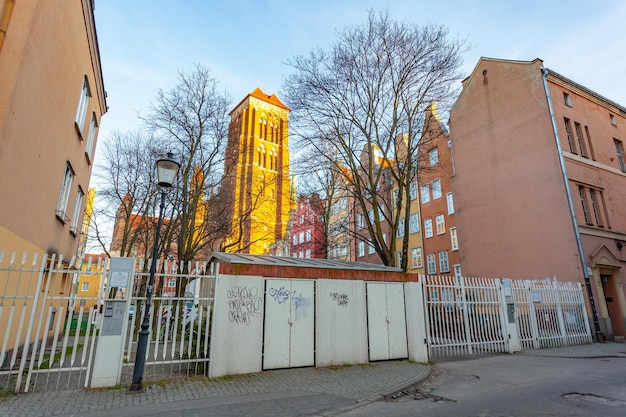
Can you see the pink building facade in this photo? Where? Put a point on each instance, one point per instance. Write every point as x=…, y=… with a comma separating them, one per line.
x=307, y=230
x=540, y=183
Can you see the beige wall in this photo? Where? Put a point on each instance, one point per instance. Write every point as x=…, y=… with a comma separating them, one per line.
x=48, y=50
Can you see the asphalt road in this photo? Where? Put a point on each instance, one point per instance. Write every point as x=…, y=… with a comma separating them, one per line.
x=512, y=386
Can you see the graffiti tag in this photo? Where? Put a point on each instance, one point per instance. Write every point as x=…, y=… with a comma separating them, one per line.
x=280, y=295
x=243, y=303
x=342, y=299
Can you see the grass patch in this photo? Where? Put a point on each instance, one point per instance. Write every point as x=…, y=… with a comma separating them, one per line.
x=47, y=363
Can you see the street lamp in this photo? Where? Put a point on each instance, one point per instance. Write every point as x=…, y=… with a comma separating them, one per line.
x=167, y=168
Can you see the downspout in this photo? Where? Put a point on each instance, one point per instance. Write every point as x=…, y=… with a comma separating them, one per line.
x=581, y=253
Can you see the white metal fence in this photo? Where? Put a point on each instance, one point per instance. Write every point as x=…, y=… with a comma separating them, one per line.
x=180, y=325
x=48, y=326
x=469, y=315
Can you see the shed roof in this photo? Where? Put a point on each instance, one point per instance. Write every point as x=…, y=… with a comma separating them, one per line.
x=245, y=259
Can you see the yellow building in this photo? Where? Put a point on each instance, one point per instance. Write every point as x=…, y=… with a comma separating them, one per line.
x=257, y=173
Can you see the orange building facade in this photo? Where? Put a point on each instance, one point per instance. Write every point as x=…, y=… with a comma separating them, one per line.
x=52, y=99
x=539, y=182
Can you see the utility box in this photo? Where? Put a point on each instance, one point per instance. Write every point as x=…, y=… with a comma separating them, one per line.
x=107, y=367
x=509, y=310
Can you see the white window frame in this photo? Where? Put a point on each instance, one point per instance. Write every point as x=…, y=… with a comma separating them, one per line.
x=440, y=223
x=307, y=253
x=301, y=236
x=359, y=221
x=414, y=223
x=457, y=270
x=433, y=156
x=91, y=137
x=399, y=258
x=370, y=246
x=400, y=231
x=454, y=240
x=64, y=196
x=361, y=249
x=437, y=189
x=428, y=227
x=425, y=193
x=171, y=283
x=450, y=202
x=444, y=264
x=416, y=257
x=83, y=102
x=295, y=238
x=84, y=287
x=308, y=235
x=76, y=216
x=431, y=263
x=413, y=190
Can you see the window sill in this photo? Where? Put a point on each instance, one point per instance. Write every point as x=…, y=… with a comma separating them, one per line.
x=78, y=131
x=73, y=231
x=62, y=217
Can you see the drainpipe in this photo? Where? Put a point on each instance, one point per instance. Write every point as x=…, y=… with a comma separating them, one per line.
x=581, y=253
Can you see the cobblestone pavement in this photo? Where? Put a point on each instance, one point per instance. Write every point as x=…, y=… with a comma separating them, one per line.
x=359, y=383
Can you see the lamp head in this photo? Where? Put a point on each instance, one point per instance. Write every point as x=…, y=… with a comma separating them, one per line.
x=167, y=168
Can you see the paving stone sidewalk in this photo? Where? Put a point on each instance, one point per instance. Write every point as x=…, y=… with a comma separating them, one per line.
x=358, y=382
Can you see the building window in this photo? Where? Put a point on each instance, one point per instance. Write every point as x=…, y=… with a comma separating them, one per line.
x=414, y=223
x=75, y=224
x=384, y=237
x=443, y=261
x=450, y=203
x=567, y=99
x=454, y=242
x=295, y=239
x=433, y=156
x=581, y=140
x=370, y=246
x=570, y=139
x=85, y=287
x=596, y=207
x=171, y=283
x=301, y=219
x=361, y=248
x=344, y=250
x=583, y=202
x=441, y=224
x=399, y=257
x=359, y=221
x=619, y=150
x=308, y=235
x=431, y=263
x=613, y=119
x=83, y=101
x=428, y=227
x=412, y=190
x=64, y=196
x=457, y=271
x=307, y=253
x=301, y=235
x=425, y=193
x=400, y=231
x=436, y=189
x=91, y=137
x=416, y=257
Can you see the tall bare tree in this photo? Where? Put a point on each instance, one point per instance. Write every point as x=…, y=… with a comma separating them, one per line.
x=366, y=98
x=192, y=118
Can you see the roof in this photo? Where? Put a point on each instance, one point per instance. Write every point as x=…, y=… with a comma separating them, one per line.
x=258, y=93
x=245, y=259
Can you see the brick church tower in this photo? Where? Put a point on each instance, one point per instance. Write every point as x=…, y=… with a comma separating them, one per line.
x=256, y=173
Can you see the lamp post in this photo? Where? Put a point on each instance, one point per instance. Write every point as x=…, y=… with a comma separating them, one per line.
x=167, y=168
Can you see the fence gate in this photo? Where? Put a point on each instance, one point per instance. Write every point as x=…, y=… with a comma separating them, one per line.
x=47, y=321
x=180, y=319
x=468, y=315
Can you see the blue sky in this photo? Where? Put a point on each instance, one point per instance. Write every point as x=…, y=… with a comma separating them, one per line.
x=143, y=43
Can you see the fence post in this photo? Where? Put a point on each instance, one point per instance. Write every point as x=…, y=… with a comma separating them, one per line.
x=559, y=311
x=460, y=281
x=532, y=316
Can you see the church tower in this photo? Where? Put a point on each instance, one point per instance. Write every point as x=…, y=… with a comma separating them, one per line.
x=256, y=173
